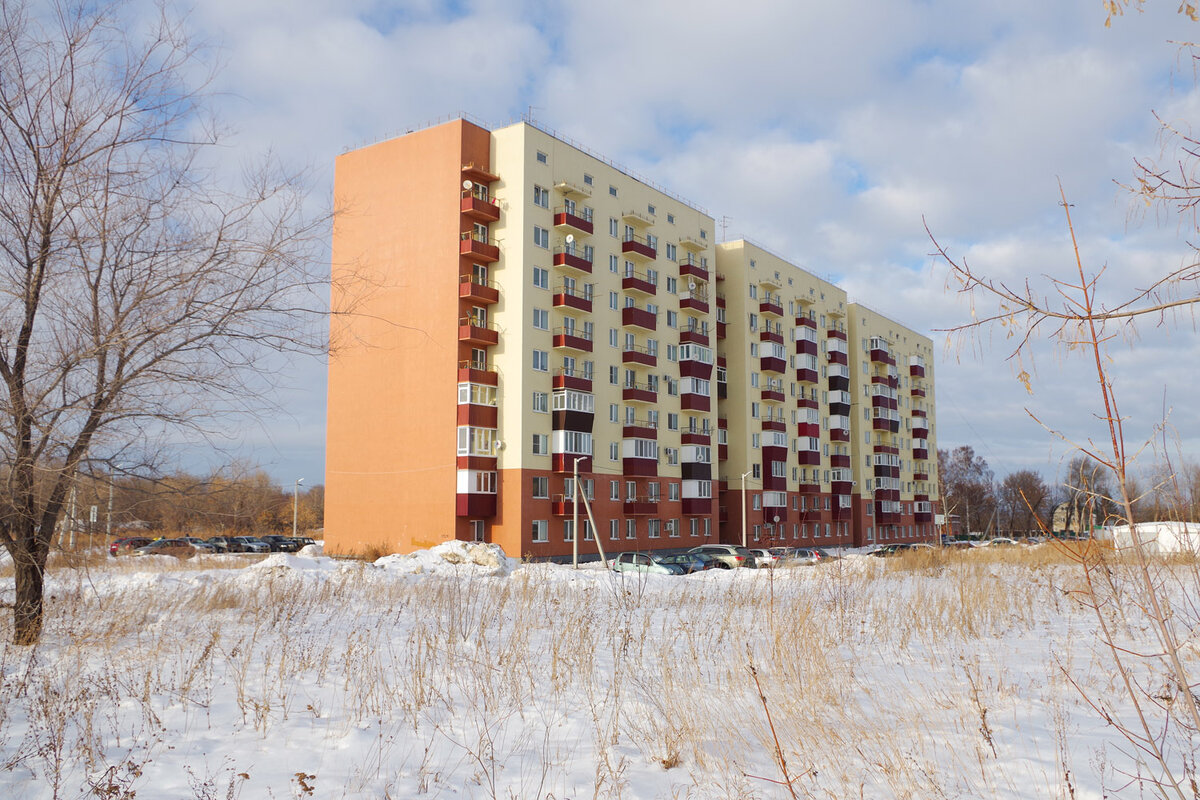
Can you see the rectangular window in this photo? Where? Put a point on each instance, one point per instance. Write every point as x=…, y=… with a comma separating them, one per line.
x=540, y=529
x=671, y=252
x=541, y=278
x=614, y=451
x=672, y=491
x=541, y=197
x=653, y=526
x=613, y=300
x=541, y=237
x=541, y=488
x=614, y=227
x=614, y=264
x=568, y=530
x=541, y=319
x=612, y=190
x=541, y=360
x=541, y=402
x=614, y=529
x=631, y=529
x=587, y=179
x=541, y=444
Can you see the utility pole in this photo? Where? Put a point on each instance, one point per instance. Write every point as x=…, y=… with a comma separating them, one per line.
x=744, y=474
x=296, y=504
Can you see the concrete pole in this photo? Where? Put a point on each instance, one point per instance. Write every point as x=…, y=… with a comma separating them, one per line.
x=296, y=504
x=575, y=514
x=744, y=474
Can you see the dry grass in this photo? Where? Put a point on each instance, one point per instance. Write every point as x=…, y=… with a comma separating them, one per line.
x=867, y=666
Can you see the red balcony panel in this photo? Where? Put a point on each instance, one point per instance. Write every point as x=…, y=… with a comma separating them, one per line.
x=479, y=210
x=922, y=516
x=840, y=513
x=920, y=455
x=837, y=358
x=693, y=269
x=562, y=218
x=720, y=330
x=640, y=467
x=467, y=373
x=723, y=452
x=884, y=448
x=834, y=333
x=806, y=402
x=578, y=381
x=697, y=506
x=920, y=476
x=805, y=347
x=808, y=429
x=638, y=247
x=571, y=260
x=693, y=337
x=694, y=402
x=481, y=251
x=475, y=505
x=689, y=437
x=573, y=341
x=806, y=376
x=638, y=356
x=694, y=303
x=477, y=292
x=635, y=317
x=880, y=356
x=770, y=336
x=639, y=394
x=808, y=458
x=916, y=371
x=772, y=364
x=638, y=283
x=839, y=461
x=695, y=369
x=639, y=431
x=770, y=307
x=806, y=322
x=475, y=334
x=774, y=425
x=841, y=487
x=563, y=419
x=477, y=416
x=575, y=301
x=639, y=507
x=839, y=435
x=565, y=462
x=920, y=431
x=772, y=396
x=480, y=463
x=809, y=488
x=916, y=392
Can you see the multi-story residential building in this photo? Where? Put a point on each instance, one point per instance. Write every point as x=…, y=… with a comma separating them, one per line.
x=520, y=315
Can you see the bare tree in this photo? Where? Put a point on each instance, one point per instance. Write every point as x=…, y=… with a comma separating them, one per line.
x=967, y=487
x=1022, y=497
x=137, y=292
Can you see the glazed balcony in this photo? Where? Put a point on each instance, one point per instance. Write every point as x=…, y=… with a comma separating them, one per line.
x=639, y=355
x=639, y=393
x=472, y=331
x=634, y=317
x=638, y=246
x=916, y=366
x=575, y=379
x=639, y=283
x=479, y=209
x=569, y=222
x=480, y=293
x=691, y=267
x=572, y=298
x=572, y=339
x=572, y=258
x=484, y=249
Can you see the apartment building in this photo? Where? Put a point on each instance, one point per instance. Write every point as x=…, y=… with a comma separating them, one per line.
x=521, y=315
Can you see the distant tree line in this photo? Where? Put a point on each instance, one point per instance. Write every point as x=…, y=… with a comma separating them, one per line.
x=232, y=500
x=1076, y=501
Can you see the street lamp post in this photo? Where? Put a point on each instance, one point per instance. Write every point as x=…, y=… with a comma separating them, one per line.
x=575, y=513
x=296, y=504
x=744, y=475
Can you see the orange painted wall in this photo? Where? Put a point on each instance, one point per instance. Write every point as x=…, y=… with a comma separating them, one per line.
x=390, y=463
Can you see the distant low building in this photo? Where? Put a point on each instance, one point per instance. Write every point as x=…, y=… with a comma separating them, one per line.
x=1160, y=538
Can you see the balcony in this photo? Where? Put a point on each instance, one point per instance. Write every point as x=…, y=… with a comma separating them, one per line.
x=694, y=336
x=697, y=506
x=639, y=506
x=806, y=376
x=702, y=436
x=693, y=243
x=568, y=221
x=575, y=379
x=474, y=331
x=689, y=401
x=634, y=317
x=470, y=288
x=771, y=305
x=638, y=282
x=917, y=391
x=643, y=219
x=572, y=258
x=477, y=372
x=772, y=396
x=805, y=321
x=479, y=209
x=771, y=336
x=774, y=365
x=480, y=249
x=478, y=173
x=572, y=339
x=565, y=462
x=695, y=300
x=475, y=505
x=638, y=246
x=639, y=429
x=572, y=189
x=638, y=355
x=692, y=268
x=639, y=393
x=572, y=298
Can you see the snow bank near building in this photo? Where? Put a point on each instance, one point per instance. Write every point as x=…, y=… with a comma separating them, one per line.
x=1160, y=538
x=453, y=558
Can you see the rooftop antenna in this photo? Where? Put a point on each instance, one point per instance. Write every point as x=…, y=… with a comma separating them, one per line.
x=725, y=220
x=529, y=112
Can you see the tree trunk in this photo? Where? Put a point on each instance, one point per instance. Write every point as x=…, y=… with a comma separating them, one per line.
x=30, y=573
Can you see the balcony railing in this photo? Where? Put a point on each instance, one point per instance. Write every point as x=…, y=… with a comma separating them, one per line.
x=638, y=246
x=477, y=291
x=573, y=258
x=572, y=298
x=581, y=221
x=639, y=355
x=480, y=209
x=573, y=339
x=484, y=249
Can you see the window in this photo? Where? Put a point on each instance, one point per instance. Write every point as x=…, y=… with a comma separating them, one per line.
x=541, y=157
x=672, y=353
x=672, y=422
x=541, y=319
x=568, y=530
x=614, y=451
x=651, y=210
x=613, y=412
x=587, y=179
x=614, y=490
x=670, y=252
x=614, y=375
x=614, y=529
x=672, y=491
x=541, y=402
x=614, y=264
x=541, y=197
x=672, y=318
x=671, y=219
x=613, y=300
x=631, y=529
x=541, y=360
x=613, y=227
x=541, y=278
x=541, y=488
x=612, y=190
x=612, y=337
x=653, y=527
x=541, y=444
x=541, y=237
x=540, y=529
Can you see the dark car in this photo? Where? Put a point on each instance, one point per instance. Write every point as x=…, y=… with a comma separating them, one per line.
x=689, y=562
x=303, y=541
x=127, y=545
x=280, y=544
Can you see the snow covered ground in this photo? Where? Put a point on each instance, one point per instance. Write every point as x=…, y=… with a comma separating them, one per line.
x=459, y=673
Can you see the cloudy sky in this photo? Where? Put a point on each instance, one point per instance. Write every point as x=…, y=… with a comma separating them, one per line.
x=829, y=132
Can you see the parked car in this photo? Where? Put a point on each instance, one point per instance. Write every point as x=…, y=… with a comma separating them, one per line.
x=803, y=557
x=280, y=544
x=644, y=563
x=764, y=557
x=201, y=545
x=828, y=553
x=179, y=548
x=958, y=544
x=1002, y=541
x=728, y=556
x=899, y=548
x=127, y=545
x=225, y=544
x=303, y=541
x=252, y=544
x=689, y=562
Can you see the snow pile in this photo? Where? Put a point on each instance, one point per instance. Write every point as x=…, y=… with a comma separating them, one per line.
x=454, y=557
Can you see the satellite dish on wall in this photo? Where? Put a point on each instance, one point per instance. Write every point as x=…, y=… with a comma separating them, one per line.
x=570, y=238
x=468, y=185
x=691, y=284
